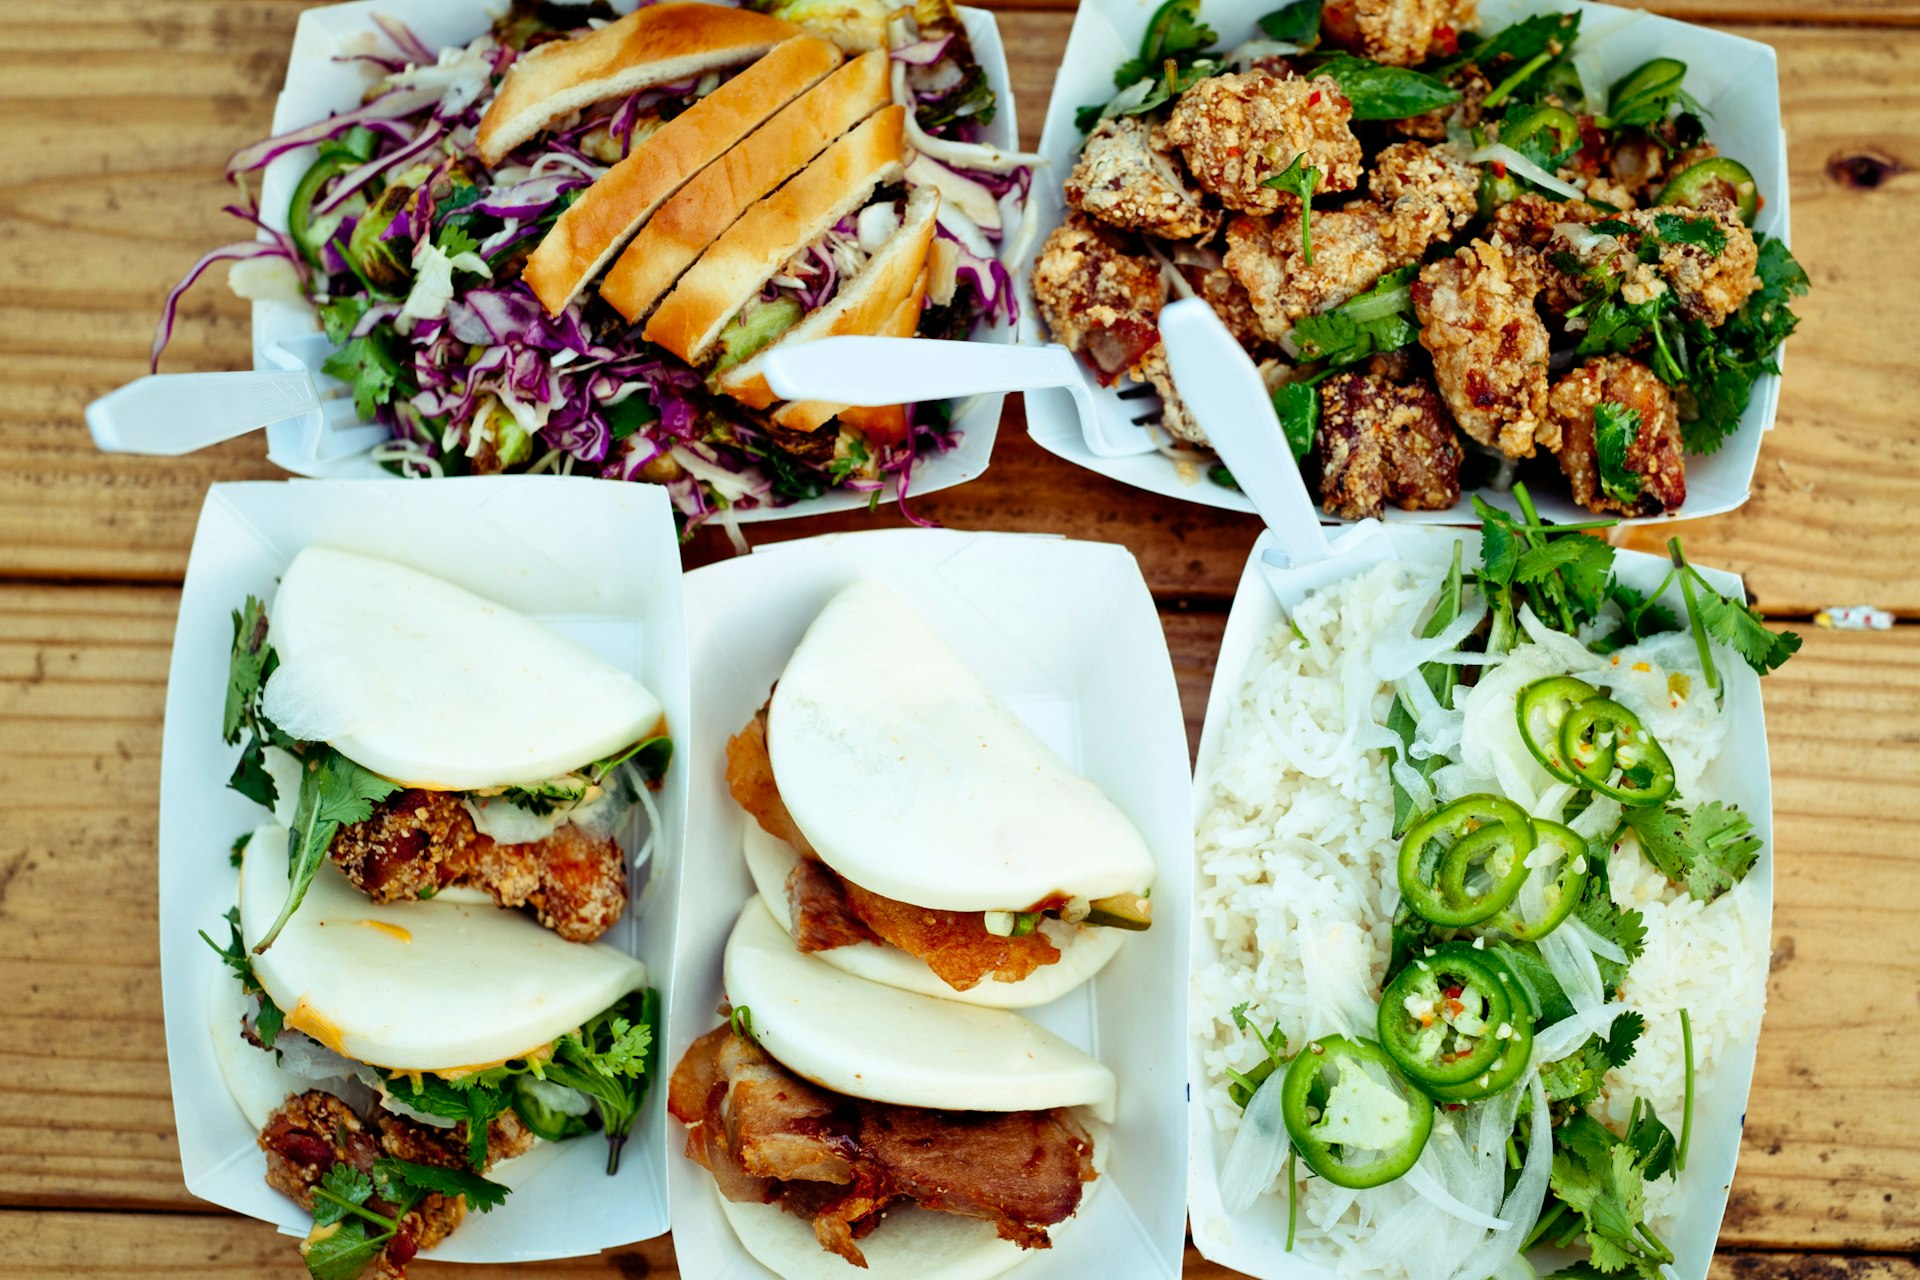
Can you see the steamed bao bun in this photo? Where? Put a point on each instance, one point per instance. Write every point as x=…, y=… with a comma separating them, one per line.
x=912, y=781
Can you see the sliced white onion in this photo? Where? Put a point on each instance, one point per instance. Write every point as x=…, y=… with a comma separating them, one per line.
x=725, y=483
x=956, y=189
x=1422, y=1180
x=1597, y=819
x=876, y=223
x=1245, y=55
x=1573, y=968
x=1401, y=657
x=1526, y=168
x=963, y=229
x=967, y=155
x=1523, y=1203
x=1259, y=1149
x=1606, y=948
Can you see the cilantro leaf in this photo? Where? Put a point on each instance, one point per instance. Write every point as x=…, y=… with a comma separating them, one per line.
x=268, y=1022
x=454, y=241
x=611, y=1060
x=627, y=417
x=1623, y=1038
x=1710, y=850
x=1725, y=363
x=370, y=368
x=338, y=317
x=1500, y=546
x=1300, y=178
x=1741, y=628
x=248, y=666
x=1381, y=319
x=1519, y=43
x=1602, y=1179
x=1615, y=428
x=344, y=1253
x=333, y=790
x=250, y=777
x=1679, y=228
x=239, y=851
x=481, y=1195
x=1641, y=616
x=475, y=1099
x=1297, y=23
x=345, y=1186
x=1174, y=32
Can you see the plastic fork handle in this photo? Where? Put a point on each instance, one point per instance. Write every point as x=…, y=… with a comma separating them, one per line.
x=169, y=414
x=1227, y=397
x=868, y=371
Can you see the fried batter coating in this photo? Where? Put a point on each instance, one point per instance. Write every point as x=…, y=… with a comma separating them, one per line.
x=1400, y=33
x=1410, y=176
x=1175, y=418
x=1099, y=297
x=311, y=1132
x=1530, y=218
x=1707, y=285
x=1655, y=456
x=839, y=1163
x=1238, y=130
x=1126, y=177
x=1382, y=442
x=416, y=843
x=1488, y=344
x=1230, y=301
x=1431, y=126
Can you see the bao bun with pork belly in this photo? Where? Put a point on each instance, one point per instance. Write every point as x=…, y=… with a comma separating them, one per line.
x=853, y=1125
x=909, y=829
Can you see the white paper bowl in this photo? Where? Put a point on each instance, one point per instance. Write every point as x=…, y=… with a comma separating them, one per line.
x=1066, y=634
x=1734, y=77
x=1255, y=1241
x=318, y=86
x=528, y=542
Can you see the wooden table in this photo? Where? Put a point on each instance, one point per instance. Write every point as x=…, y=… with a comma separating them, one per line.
x=119, y=115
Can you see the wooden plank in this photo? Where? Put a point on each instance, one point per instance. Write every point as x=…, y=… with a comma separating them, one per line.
x=113, y=187
x=1833, y=1157
x=104, y=1246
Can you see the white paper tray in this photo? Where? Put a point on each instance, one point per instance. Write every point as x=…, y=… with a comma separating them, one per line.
x=1734, y=77
x=1255, y=1241
x=285, y=334
x=536, y=544
x=1066, y=634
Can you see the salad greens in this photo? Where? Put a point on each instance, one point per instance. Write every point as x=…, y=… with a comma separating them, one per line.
x=364, y=1211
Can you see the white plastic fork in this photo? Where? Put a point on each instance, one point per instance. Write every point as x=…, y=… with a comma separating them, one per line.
x=867, y=371
x=169, y=414
x=1228, y=398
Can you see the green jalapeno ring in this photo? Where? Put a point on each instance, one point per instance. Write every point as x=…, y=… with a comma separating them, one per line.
x=1304, y=1105
x=1423, y=851
x=1601, y=738
x=1721, y=176
x=1565, y=129
x=1420, y=1047
x=1576, y=855
x=1491, y=851
x=1658, y=78
x=1511, y=1065
x=1541, y=709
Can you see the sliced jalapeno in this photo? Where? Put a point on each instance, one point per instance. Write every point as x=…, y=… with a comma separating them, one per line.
x=1542, y=708
x=1439, y=1015
x=1517, y=1051
x=1565, y=129
x=1614, y=754
x=1717, y=176
x=1642, y=94
x=1562, y=894
x=337, y=156
x=1350, y=1128
x=1471, y=835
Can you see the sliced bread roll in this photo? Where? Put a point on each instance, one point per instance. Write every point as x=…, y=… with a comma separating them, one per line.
x=867, y=304
x=673, y=238
x=592, y=230
x=655, y=45
x=839, y=181
x=881, y=424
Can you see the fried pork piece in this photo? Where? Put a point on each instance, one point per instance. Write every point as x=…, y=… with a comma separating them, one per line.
x=1654, y=458
x=1381, y=442
x=1400, y=33
x=829, y=911
x=311, y=1132
x=416, y=843
x=1488, y=344
x=1419, y=194
x=840, y=1162
x=1236, y=131
x=1126, y=177
x=1099, y=297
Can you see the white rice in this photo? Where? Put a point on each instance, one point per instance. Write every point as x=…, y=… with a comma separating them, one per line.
x=1298, y=886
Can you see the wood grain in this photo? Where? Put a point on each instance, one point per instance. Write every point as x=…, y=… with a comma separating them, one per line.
x=1833, y=1152
x=106, y=196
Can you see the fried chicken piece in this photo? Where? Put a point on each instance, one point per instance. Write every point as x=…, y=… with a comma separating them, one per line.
x=1488, y=344
x=416, y=843
x=954, y=944
x=1708, y=283
x=1099, y=297
x=1175, y=419
x=1230, y=301
x=1380, y=442
x=1579, y=261
x=1431, y=126
x=817, y=903
x=1400, y=33
x=1654, y=459
x=1238, y=130
x=311, y=1132
x=1126, y=177
x=1531, y=218
x=1418, y=195
x=840, y=1162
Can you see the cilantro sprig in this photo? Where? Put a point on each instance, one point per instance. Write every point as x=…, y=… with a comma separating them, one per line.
x=1599, y=1183
x=1615, y=428
x=1710, y=849
x=1246, y=1084
x=271, y=1018
x=1300, y=178
x=333, y=791
x=349, y=1233
x=1734, y=623
x=251, y=660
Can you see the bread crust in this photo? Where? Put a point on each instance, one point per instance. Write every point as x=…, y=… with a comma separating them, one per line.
x=631, y=193
x=747, y=254
x=672, y=239
x=867, y=304
x=655, y=45
x=882, y=424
